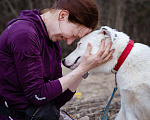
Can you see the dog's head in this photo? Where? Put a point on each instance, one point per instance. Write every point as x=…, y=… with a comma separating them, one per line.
x=105, y=33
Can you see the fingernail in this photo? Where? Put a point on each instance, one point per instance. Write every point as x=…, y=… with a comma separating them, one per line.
x=102, y=40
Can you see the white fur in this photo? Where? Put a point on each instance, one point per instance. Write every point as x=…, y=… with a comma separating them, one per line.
x=133, y=77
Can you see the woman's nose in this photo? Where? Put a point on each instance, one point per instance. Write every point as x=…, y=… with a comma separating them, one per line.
x=70, y=41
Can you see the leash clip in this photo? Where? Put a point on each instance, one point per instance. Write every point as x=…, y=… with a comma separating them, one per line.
x=114, y=71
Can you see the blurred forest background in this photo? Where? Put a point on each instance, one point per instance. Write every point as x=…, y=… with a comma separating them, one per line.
x=129, y=16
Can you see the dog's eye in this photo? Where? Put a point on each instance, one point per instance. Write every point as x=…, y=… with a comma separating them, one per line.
x=79, y=44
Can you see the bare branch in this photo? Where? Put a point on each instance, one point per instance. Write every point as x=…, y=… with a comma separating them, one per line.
x=30, y=4
x=11, y=8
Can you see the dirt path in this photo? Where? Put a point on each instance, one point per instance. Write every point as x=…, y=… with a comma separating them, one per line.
x=95, y=92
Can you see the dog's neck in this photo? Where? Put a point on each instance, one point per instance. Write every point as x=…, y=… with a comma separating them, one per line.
x=123, y=56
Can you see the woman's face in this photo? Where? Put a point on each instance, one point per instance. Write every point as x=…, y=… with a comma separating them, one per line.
x=69, y=32
x=62, y=29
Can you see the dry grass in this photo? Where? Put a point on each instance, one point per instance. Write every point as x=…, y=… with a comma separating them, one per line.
x=95, y=93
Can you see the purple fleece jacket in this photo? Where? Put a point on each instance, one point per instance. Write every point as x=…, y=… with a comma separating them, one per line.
x=30, y=64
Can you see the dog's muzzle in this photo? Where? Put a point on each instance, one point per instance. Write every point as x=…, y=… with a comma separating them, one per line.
x=63, y=62
x=69, y=66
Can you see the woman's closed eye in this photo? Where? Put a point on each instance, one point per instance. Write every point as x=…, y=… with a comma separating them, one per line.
x=75, y=36
x=63, y=38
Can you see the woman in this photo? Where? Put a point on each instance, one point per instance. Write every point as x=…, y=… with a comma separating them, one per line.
x=30, y=71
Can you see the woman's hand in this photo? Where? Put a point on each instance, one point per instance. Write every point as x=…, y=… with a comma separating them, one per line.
x=88, y=62
x=102, y=56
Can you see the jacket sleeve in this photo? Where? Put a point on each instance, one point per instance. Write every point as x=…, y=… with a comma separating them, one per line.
x=63, y=98
x=25, y=47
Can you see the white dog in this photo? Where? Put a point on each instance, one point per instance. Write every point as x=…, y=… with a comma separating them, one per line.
x=133, y=77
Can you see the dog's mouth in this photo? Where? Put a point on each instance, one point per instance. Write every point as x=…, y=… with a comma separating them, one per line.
x=73, y=66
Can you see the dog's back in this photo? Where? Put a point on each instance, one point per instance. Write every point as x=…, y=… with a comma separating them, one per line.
x=133, y=79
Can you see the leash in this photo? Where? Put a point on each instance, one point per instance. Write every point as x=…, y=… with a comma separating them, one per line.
x=121, y=59
x=105, y=114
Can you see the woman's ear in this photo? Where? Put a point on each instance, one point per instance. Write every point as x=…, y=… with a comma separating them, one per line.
x=63, y=15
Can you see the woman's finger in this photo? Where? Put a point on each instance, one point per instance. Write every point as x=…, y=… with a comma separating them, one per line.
x=109, y=56
x=107, y=50
x=101, y=49
x=88, y=49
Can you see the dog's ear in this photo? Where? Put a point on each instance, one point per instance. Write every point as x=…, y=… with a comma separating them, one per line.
x=108, y=32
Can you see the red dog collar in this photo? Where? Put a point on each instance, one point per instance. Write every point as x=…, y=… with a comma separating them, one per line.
x=123, y=56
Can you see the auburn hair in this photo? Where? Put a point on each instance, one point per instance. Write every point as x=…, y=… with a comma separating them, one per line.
x=83, y=12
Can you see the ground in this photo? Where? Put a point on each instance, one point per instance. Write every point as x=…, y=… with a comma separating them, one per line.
x=93, y=95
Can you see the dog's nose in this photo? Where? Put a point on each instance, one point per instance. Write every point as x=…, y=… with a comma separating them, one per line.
x=63, y=61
